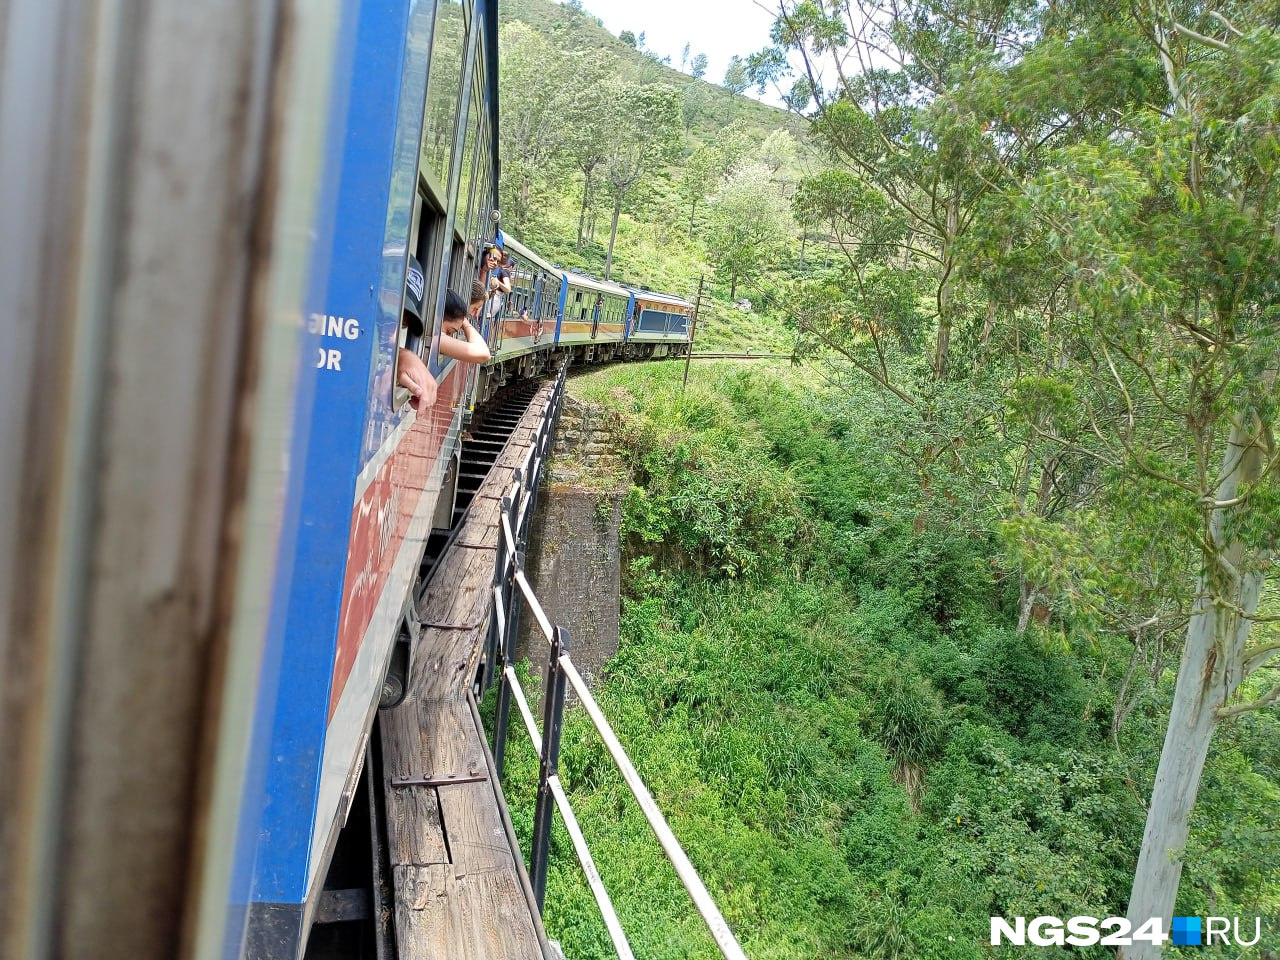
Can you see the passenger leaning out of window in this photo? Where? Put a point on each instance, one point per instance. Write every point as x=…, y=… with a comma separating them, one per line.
x=414, y=375
x=499, y=281
x=472, y=349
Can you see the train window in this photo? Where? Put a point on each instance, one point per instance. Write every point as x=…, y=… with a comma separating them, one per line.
x=466, y=201
x=427, y=242
x=462, y=267
x=475, y=164
x=484, y=176
x=415, y=288
x=476, y=200
x=448, y=44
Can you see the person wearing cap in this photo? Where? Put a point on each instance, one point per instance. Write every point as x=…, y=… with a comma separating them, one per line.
x=413, y=374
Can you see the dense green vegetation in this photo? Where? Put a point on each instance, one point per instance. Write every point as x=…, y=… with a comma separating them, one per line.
x=860, y=753
x=1028, y=254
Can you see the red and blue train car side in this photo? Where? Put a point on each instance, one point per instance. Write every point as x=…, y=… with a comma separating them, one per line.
x=587, y=319
x=535, y=288
x=415, y=168
x=223, y=599
x=593, y=317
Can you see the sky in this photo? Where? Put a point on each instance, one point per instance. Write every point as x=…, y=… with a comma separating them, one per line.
x=718, y=28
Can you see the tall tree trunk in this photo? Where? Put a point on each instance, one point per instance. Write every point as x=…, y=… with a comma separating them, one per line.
x=946, y=290
x=733, y=286
x=988, y=324
x=1211, y=670
x=942, y=343
x=613, y=235
x=1028, y=595
x=1026, y=603
x=692, y=210
x=586, y=199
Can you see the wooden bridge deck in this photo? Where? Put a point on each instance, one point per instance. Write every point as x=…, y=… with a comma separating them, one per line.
x=459, y=891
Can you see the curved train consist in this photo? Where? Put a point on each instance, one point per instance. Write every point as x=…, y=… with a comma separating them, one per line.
x=209, y=541
x=379, y=476
x=344, y=619
x=554, y=311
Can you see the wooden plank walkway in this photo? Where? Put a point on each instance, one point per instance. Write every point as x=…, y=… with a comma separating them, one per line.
x=458, y=889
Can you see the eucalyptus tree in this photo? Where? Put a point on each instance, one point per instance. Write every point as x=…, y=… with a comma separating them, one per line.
x=736, y=79
x=712, y=164
x=640, y=135
x=880, y=84
x=586, y=113
x=917, y=146
x=934, y=112
x=779, y=153
x=535, y=84
x=1169, y=236
x=699, y=178
x=749, y=225
x=1092, y=204
x=1167, y=353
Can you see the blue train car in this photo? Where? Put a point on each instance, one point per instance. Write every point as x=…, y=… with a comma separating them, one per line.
x=593, y=318
x=416, y=174
x=528, y=318
x=659, y=325
x=213, y=535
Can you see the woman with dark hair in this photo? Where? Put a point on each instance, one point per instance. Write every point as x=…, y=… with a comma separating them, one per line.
x=412, y=371
x=471, y=350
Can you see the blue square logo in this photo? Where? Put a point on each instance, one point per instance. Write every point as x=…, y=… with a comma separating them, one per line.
x=1186, y=931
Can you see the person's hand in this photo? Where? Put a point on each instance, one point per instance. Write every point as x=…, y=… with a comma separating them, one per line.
x=417, y=379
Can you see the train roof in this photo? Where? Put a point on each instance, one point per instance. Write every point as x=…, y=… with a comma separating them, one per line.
x=519, y=249
x=591, y=283
x=661, y=297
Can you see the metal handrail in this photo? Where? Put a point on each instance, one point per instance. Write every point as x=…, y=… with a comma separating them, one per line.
x=594, y=881
x=539, y=614
x=510, y=586
x=715, y=921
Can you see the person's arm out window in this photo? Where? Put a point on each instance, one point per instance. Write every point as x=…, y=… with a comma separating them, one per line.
x=472, y=350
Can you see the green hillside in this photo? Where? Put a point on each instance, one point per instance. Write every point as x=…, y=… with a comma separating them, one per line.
x=593, y=127
x=835, y=709
x=575, y=30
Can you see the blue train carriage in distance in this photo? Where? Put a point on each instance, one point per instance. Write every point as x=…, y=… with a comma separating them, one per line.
x=412, y=169
x=523, y=337
x=593, y=318
x=659, y=325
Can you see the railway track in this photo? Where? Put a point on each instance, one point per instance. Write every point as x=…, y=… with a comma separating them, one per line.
x=482, y=444
x=740, y=356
